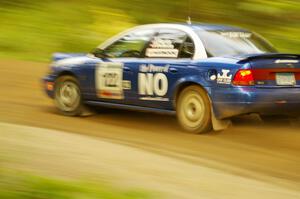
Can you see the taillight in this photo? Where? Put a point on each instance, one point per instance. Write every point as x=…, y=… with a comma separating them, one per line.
x=243, y=77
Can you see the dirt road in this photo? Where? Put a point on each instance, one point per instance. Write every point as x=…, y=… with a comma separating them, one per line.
x=249, y=149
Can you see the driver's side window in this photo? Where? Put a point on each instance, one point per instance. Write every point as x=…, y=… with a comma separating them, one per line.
x=170, y=43
x=131, y=45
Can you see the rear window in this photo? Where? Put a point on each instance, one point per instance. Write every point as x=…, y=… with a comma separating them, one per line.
x=228, y=43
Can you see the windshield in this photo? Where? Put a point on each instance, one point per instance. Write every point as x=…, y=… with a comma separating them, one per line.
x=229, y=43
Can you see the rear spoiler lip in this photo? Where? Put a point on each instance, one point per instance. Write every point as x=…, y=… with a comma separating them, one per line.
x=243, y=59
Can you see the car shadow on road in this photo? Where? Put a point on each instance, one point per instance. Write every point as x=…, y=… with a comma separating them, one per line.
x=255, y=120
x=138, y=119
x=162, y=123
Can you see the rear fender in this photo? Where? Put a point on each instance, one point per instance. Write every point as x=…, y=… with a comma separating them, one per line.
x=187, y=81
x=217, y=124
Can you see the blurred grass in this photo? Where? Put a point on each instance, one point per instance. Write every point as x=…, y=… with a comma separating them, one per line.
x=35, y=29
x=20, y=185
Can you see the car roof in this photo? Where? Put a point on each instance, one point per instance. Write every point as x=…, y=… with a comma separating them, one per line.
x=190, y=29
x=196, y=26
x=216, y=27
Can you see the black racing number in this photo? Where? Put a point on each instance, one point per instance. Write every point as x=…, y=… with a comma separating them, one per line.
x=110, y=79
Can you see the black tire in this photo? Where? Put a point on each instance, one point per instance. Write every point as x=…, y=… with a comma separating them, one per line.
x=193, y=110
x=67, y=96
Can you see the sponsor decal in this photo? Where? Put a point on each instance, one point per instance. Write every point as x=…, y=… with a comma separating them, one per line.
x=153, y=69
x=161, y=48
x=286, y=61
x=153, y=82
x=237, y=34
x=109, y=80
x=164, y=53
x=161, y=43
x=126, y=84
x=154, y=99
x=224, y=77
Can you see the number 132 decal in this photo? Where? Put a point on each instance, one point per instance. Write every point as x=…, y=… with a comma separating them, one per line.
x=109, y=78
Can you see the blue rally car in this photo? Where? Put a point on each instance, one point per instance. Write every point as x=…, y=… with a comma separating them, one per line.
x=205, y=74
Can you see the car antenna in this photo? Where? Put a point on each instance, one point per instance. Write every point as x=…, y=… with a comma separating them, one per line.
x=189, y=21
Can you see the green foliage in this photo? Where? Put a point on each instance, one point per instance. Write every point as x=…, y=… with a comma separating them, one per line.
x=16, y=185
x=36, y=29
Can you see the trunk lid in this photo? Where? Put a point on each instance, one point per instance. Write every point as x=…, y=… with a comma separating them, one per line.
x=274, y=70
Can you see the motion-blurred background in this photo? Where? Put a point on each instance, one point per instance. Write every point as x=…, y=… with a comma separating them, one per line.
x=32, y=29
x=132, y=155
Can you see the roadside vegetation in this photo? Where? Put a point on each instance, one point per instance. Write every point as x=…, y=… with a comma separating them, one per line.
x=20, y=185
x=35, y=29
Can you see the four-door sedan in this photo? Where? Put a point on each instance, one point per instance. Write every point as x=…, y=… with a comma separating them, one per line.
x=205, y=74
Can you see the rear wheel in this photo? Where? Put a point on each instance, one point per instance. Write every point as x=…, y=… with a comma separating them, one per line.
x=67, y=96
x=193, y=110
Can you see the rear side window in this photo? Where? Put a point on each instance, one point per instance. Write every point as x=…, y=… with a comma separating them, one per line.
x=131, y=45
x=170, y=43
x=187, y=48
x=231, y=43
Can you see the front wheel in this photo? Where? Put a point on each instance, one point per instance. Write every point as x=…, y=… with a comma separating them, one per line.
x=193, y=110
x=67, y=96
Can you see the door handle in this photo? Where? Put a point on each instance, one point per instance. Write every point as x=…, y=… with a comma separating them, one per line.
x=125, y=68
x=173, y=70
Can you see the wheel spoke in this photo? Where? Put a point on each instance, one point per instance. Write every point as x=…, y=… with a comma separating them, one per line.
x=68, y=96
x=193, y=110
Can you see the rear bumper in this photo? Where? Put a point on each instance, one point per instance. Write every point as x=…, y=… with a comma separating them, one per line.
x=48, y=85
x=266, y=101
